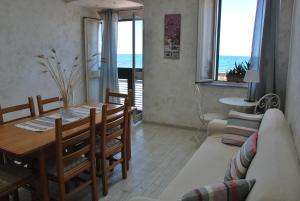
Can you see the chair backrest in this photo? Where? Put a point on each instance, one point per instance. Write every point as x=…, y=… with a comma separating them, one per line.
x=268, y=101
x=41, y=102
x=110, y=97
x=81, y=132
x=114, y=123
x=27, y=106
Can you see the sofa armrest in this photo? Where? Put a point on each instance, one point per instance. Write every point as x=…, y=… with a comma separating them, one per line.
x=142, y=199
x=216, y=126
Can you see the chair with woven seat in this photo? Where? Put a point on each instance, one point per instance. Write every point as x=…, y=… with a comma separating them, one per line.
x=12, y=177
x=112, y=142
x=72, y=163
x=14, y=109
x=41, y=102
x=113, y=97
x=27, y=106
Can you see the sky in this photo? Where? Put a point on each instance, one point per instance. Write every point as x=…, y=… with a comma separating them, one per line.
x=237, y=24
x=125, y=37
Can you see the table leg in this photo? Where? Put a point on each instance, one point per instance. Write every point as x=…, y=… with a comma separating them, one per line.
x=43, y=177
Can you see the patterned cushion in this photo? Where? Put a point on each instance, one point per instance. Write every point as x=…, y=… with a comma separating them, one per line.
x=52, y=169
x=239, y=164
x=11, y=174
x=236, y=190
x=240, y=126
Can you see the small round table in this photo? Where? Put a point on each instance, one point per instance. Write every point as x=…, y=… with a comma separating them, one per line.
x=237, y=101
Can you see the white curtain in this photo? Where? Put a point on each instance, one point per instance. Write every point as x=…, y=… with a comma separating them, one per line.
x=206, y=40
x=109, y=52
x=265, y=53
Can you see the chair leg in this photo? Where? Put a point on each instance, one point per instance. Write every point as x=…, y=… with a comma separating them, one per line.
x=16, y=195
x=94, y=184
x=104, y=176
x=124, y=163
x=62, y=191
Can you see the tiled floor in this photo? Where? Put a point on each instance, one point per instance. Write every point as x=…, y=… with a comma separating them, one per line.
x=158, y=154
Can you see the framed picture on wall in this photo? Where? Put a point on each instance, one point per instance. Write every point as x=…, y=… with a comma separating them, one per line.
x=172, y=36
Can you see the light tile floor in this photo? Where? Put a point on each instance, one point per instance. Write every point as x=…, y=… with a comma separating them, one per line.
x=158, y=154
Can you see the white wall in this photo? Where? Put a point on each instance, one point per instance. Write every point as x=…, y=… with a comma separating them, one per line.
x=293, y=81
x=168, y=84
x=31, y=27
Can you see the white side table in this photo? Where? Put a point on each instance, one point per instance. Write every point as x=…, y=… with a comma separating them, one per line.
x=237, y=102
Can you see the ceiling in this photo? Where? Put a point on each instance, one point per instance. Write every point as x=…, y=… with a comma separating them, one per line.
x=113, y=4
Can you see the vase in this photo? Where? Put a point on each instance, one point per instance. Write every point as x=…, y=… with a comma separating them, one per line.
x=67, y=100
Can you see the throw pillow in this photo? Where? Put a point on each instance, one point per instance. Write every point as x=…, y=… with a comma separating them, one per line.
x=239, y=164
x=236, y=190
x=240, y=127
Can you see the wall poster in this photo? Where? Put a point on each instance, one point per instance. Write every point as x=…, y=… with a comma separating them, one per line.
x=172, y=36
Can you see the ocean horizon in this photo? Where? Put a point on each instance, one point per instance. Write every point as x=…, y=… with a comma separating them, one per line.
x=226, y=63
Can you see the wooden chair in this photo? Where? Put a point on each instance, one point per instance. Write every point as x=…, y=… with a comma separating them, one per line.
x=112, y=141
x=29, y=106
x=71, y=164
x=41, y=102
x=12, y=177
x=110, y=97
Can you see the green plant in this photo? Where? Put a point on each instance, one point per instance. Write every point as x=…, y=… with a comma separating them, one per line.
x=239, y=69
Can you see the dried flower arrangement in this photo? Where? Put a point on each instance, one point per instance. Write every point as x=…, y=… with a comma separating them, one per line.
x=64, y=78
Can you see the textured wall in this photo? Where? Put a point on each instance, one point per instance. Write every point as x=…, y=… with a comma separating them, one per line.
x=168, y=84
x=283, y=44
x=29, y=28
x=293, y=81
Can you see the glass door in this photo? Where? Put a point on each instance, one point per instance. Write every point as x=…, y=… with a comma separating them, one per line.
x=93, y=47
x=130, y=59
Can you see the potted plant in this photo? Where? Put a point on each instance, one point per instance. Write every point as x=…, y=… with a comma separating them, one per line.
x=237, y=74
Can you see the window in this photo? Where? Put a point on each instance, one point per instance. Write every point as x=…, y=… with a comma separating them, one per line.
x=236, y=24
x=225, y=32
x=125, y=44
x=124, y=59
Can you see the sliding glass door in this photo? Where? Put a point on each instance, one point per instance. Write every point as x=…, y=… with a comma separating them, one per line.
x=130, y=59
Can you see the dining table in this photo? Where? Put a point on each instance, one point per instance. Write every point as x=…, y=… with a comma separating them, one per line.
x=22, y=143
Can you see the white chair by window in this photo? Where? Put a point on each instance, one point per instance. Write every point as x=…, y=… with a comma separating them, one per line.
x=268, y=101
x=204, y=116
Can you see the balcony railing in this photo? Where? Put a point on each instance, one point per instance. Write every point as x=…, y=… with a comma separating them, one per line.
x=123, y=87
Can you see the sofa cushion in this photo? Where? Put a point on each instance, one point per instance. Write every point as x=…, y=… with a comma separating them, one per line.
x=207, y=166
x=240, y=163
x=276, y=165
x=239, y=127
x=236, y=190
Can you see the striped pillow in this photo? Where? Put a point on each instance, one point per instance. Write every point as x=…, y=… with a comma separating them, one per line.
x=236, y=190
x=240, y=127
x=239, y=164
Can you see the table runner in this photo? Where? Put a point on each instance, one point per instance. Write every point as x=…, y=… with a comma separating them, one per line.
x=48, y=122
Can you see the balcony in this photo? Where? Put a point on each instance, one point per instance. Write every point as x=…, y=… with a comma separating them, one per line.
x=123, y=87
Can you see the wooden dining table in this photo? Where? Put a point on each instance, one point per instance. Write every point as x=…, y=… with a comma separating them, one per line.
x=22, y=143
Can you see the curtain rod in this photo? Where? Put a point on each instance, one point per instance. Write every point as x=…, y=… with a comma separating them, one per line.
x=127, y=9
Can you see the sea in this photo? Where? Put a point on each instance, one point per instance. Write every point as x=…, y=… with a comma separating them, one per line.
x=225, y=62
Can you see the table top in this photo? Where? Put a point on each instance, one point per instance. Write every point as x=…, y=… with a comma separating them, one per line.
x=237, y=101
x=22, y=142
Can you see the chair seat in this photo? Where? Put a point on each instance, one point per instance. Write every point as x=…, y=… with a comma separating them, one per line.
x=13, y=176
x=52, y=169
x=113, y=146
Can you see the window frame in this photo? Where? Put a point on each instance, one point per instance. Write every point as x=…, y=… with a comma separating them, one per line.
x=203, y=69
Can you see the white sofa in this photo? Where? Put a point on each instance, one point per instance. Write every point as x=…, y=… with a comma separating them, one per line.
x=275, y=167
